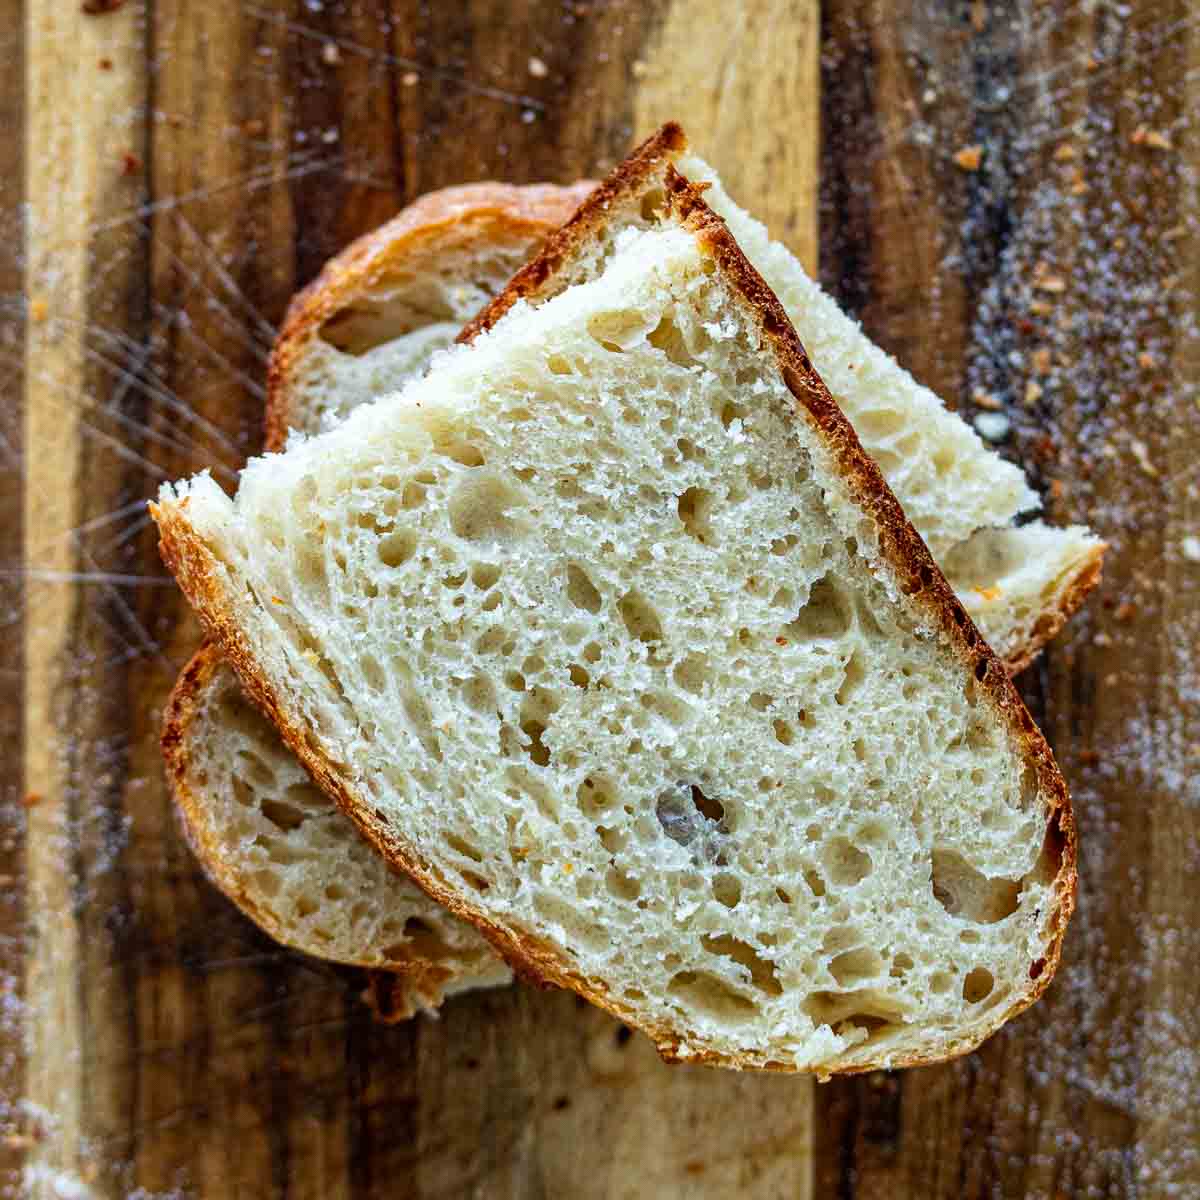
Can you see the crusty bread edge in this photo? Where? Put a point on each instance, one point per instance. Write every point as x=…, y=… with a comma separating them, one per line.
x=191, y=561
x=415, y=983
x=485, y=212
x=1086, y=575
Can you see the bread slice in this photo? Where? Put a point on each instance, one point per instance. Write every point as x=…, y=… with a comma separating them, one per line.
x=373, y=317
x=292, y=861
x=610, y=634
x=266, y=836
x=949, y=482
x=1021, y=584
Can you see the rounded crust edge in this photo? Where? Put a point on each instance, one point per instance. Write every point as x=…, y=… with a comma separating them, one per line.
x=486, y=211
x=412, y=985
x=1086, y=577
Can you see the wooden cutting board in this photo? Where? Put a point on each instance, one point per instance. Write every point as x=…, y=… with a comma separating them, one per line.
x=171, y=173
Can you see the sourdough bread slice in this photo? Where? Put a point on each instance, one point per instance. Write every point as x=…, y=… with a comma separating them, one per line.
x=949, y=482
x=292, y=861
x=610, y=634
x=266, y=836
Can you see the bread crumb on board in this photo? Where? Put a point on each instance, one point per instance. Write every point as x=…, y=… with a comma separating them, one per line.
x=993, y=426
x=969, y=158
x=1154, y=138
x=1142, y=453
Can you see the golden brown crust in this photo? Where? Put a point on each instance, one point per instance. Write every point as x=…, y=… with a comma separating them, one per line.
x=1051, y=620
x=625, y=182
x=415, y=982
x=486, y=214
x=901, y=548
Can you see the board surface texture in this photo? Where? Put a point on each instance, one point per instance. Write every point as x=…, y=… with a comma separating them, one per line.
x=170, y=174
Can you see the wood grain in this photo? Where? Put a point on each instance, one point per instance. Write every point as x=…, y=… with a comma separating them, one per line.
x=12, y=594
x=191, y=166
x=1057, y=263
x=180, y=193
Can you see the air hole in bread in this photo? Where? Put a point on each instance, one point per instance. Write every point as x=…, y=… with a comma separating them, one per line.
x=978, y=985
x=622, y=886
x=595, y=795
x=731, y=412
x=618, y=330
x=479, y=695
x=669, y=707
x=282, y=815
x=474, y=881
x=941, y=982
x=761, y=970
x=581, y=592
x=481, y=506
x=372, y=673
x=692, y=673
x=784, y=733
x=640, y=617
x=695, y=513
x=242, y=792
x=613, y=840
x=537, y=750
x=669, y=338
x=525, y=781
x=420, y=722
x=335, y=892
x=396, y=548
x=727, y=889
x=845, y=862
x=484, y=575
x=826, y=614
x=970, y=895
x=577, y=927
x=465, y=848
x=760, y=701
x=277, y=851
x=864, y=1007
x=855, y=677
x=689, y=450
x=711, y=997
x=857, y=966
x=305, y=906
x=653, y=204
x=690, y=818
x=259, y=773
x=303, y=501
x=880, y=423
x=466, y=453
x=873, y=833
x=816, y=884
x=267, y=882
x=901, y=965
